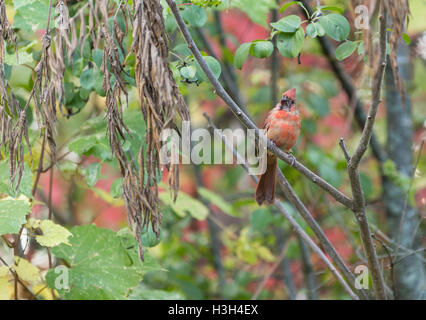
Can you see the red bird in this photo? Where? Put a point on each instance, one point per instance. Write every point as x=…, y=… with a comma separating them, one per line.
x=282, y=127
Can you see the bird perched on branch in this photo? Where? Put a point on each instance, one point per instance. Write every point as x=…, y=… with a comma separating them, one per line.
x=282, y=127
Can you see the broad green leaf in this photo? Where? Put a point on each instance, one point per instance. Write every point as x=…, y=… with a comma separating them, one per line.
x=101, y=266
x=314, y=29
x=92, y=173
x=83, y=144
x=345, y=49
x=31, y=15
x=13, y=213
x=116, y=189
x=185, y=204
x=287, y=24
x=89, y=78
x=27, y=271
x=97, y=57
x=214, y=66
x=290, y=44
x=241, y=54
x=195, y=16
x=187, y=72
x=149, y=238
x=53, y=234
x=262, y=49
x=218, y=201
x=336, y=26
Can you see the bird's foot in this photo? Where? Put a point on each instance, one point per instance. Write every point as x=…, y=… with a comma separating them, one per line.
x=292, y=157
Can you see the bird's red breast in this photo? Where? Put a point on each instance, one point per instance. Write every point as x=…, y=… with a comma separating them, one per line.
x=283, y=122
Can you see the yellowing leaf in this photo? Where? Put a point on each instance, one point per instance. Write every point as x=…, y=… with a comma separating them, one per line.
x=26, y=271
x=265, y=253
x=5, y=288
x=53, y=234
x=4, y=271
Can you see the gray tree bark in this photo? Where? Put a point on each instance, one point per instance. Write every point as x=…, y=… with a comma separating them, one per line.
x=409, y=273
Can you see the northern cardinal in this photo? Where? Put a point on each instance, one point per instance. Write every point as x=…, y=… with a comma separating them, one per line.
x=282, y=127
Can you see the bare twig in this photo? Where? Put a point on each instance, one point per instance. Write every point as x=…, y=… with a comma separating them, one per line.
x=354, y=161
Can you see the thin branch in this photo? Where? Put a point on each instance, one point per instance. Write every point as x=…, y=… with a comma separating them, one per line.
x=353, y=162
x=288, y=216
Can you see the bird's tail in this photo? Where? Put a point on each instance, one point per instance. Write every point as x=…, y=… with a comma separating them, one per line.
x=265, y=190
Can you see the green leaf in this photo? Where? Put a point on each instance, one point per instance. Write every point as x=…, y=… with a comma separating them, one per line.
x=214, y=66
x=27, y=271
x=149, y=238
x=31, y=15
x=187, y=72
x=116, y=189
x=53, y=234
x=290, y=44
x=103, y=265
x=262, y=49
x=336, y=26
x=92, y=173
x=25, y=187
x=195, y=16
x=314, y=29
x=290, y=23
x=97, y=55
x=24, y=57
x=89, y=78
x=345, y=49
x=12, y=214
x=288, y=4
x=331, y=8
x=241, y=54
x=406, y=38
x=185, y=204
x=218, y=201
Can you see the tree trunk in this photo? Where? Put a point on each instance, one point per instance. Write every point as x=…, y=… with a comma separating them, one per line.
x=409, y=273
